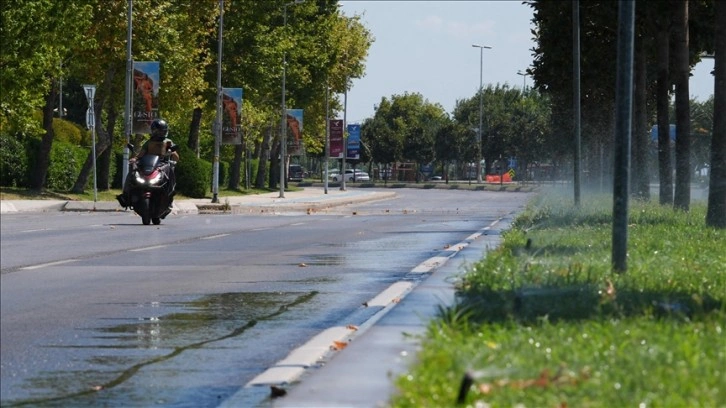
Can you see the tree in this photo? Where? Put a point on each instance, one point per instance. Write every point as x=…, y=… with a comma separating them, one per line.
x=665, y=167
x=682, y=197
x=322, y=47
x=553, y=58
x=716, y=213
x=173, y=39
x=38, y=37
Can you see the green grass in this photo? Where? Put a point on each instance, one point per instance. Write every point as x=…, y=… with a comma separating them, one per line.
x=544, y=322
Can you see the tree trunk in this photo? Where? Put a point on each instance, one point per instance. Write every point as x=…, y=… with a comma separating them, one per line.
x=102, y=144
x=264, y=159
x=682, y=197
x=102, y=138
x=640, y=177
x=193, y=140
x=716, y=213
x=104, y=161
x=43, y=159
x=665, y=167
x=274, y=175
x=234, y=177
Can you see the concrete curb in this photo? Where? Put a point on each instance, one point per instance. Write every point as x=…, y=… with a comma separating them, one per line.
x=233, y=205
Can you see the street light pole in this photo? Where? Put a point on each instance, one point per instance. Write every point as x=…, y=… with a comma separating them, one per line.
x=481, y=105
x=128, y=126
x=283, y=139
x=218, y=118
x=524, y=80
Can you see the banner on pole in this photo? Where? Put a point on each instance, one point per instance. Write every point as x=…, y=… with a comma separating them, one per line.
x=232, y=116
x=294, y=132
x=145, y=101
x=353, y=142
x=336, y=139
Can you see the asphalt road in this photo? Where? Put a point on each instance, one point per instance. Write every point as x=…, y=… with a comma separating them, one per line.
x=98, y=310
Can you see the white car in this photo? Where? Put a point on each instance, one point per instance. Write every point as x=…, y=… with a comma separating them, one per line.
x=359, y=175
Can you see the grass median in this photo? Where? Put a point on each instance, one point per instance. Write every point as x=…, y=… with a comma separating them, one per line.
x=543, y=321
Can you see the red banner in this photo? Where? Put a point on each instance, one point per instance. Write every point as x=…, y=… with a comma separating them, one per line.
x=336, y=139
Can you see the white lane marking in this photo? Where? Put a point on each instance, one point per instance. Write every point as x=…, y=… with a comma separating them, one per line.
x=473, y=236
x=215, y=236
x=259, y=229
x=48, y=264
x=430, y=264
x=298, y=223
x=147, y=248
x=289, y=369
x=457, y=247
x=393, y=292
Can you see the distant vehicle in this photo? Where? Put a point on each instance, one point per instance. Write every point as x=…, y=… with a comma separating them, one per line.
x=295, y=173
x=436, y=178
x=350, y=175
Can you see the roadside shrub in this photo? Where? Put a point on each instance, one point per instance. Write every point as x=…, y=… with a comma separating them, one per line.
x=192, y=174
x=66, y=161
x=13, y=161
x=224, y=169
x=65, y=131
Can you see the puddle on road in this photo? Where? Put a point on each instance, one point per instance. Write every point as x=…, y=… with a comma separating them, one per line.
x=98, y=368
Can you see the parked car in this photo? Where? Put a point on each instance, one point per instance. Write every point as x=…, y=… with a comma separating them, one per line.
x=350, y=175
x=295, y=173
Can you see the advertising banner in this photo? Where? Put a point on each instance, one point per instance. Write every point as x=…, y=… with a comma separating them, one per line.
x=353, y=142
x=294, y=132
x=145, y=101
x=232, y=116
x=336, y=139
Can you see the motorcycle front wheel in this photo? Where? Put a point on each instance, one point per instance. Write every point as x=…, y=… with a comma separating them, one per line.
x=145, y=211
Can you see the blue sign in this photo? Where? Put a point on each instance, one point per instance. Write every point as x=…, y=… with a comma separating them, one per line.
x=654, y=133
x=353, y=142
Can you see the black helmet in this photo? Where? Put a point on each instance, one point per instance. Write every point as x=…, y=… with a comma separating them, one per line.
x=159, y=129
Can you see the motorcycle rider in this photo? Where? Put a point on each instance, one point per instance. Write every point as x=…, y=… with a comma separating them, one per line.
x=160, y=145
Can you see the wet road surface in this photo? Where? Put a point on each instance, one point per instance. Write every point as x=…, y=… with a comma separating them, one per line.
x=98, y=310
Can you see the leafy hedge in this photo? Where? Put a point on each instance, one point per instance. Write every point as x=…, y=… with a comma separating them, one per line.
x=192, y=174
x=18, y=155
x=13, y=162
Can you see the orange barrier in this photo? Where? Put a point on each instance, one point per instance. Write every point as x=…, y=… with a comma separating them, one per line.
x=494, y=178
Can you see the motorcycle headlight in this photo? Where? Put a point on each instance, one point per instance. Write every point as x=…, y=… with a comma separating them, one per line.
x=156, y=178
x=139, y=179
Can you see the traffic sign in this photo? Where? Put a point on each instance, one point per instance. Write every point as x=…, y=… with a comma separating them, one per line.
x=90, y=118
x=90, y=91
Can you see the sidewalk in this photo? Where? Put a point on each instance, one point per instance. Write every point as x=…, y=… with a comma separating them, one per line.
x=307, y=199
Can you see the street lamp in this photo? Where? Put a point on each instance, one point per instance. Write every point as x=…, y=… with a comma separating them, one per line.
x=524, y=79
x=481, y=105
x=283, y=142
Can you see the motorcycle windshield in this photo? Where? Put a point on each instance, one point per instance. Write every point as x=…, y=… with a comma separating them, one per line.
x=148, y=163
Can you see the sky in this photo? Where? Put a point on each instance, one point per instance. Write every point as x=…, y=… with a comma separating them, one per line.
x=426, y=47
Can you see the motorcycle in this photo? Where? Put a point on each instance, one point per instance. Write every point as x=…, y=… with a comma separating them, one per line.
x=151, y=183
